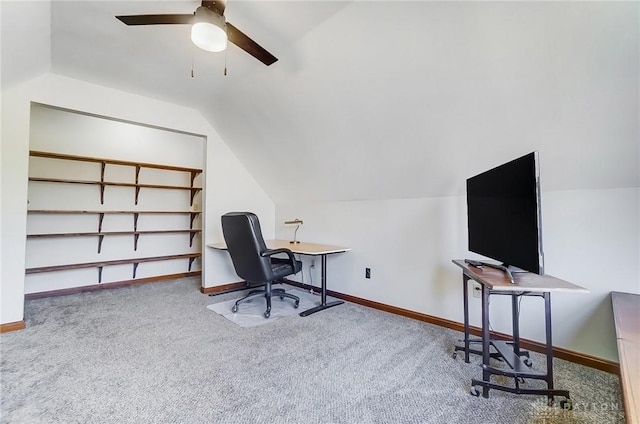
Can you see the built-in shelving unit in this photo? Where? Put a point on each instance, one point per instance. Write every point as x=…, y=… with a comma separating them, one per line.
x=101, y=264
x=135, y=232
x=102, y=183
x=100, y=233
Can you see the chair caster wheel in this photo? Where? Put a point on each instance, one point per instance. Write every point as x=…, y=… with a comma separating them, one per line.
x=295, y=305
x=474, y=392
x=234, y=309
x=454, y=355
x=281, y=297
x=267, y=314
x=566, y=404
x=528, y=362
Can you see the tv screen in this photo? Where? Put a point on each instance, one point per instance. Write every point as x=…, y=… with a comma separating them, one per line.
x=503, y=214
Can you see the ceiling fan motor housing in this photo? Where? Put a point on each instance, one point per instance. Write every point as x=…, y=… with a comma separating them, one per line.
x=209, y=31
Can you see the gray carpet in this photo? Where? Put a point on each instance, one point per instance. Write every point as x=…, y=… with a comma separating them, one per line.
x=155, y=354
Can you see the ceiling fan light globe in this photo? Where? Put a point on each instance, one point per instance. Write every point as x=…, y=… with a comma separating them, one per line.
x=209, y=36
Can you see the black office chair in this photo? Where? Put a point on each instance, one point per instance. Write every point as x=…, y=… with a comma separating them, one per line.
x=252, y=260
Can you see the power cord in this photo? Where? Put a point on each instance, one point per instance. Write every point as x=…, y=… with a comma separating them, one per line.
x=302, y=270
x=312, y=266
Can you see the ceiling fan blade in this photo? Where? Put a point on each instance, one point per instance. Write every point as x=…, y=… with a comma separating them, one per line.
x=156, y=19
x=217, y=6
x=241, y=40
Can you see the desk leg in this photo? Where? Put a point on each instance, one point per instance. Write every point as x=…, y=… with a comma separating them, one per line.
x=323, y=304
x=486, y=374
x=547, y=323
x=465, y=291
x=515, y=320
x=467, y=337
x=515, y=323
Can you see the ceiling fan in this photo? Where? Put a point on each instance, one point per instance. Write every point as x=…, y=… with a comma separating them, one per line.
x=209, y=30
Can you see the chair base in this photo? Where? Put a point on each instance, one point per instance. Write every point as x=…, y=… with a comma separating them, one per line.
x=267, y=293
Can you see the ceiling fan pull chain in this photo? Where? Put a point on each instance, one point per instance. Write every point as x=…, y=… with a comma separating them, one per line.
x=192, y=61
x=225, y=62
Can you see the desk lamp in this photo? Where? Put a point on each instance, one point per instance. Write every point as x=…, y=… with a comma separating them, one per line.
x=297, y=222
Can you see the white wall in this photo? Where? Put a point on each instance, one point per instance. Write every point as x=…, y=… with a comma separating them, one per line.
x=228, y=185
x=591, y=238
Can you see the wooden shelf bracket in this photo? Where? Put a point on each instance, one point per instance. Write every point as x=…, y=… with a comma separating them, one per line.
x=100, y=238
x=100, y=220
x=136, y=236
x=193, y=218
x=135, y=221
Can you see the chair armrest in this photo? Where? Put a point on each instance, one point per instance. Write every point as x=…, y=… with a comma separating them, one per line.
x=271, y=252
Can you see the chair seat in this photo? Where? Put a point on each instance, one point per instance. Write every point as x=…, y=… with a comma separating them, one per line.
x=282, y=267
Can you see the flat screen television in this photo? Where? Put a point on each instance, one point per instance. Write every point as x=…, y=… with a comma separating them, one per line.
x=504, y=215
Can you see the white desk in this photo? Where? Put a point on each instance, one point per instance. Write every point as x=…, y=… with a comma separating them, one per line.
x=309, y=249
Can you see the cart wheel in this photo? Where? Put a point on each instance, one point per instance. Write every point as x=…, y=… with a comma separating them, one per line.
x=234, y=309
x=474, y=392
x=528, y=362
x=566, y=404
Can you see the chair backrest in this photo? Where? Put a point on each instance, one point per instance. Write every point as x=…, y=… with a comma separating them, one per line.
x=245, y=243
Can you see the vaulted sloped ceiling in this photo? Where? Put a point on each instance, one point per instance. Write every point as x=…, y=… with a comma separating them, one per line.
x=386, y=99
x=25, y=40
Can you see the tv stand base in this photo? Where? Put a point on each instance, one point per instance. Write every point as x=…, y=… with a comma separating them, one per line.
x=517, y=364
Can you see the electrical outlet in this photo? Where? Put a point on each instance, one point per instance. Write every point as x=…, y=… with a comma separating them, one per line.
x=477, y=290
x=367, y=273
